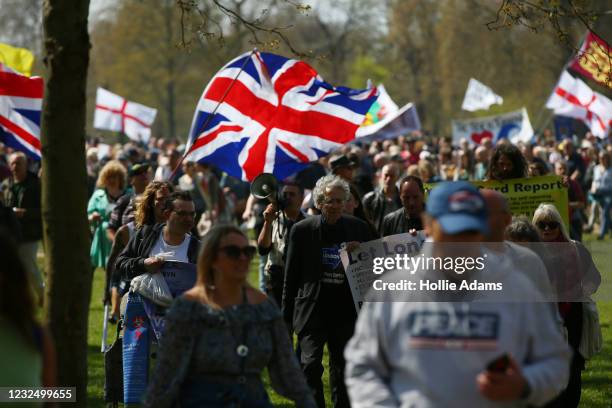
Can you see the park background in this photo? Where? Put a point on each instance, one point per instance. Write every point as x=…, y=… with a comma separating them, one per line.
x=161, y=54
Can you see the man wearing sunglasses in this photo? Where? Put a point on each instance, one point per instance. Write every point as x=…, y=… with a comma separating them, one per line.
x=274, y=236
x=152, y=245
x=317, y=300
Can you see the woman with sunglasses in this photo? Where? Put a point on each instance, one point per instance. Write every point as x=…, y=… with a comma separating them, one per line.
x=575, y=279
x=221, y=334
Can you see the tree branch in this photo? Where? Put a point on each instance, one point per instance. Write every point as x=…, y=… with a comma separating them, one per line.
x=255, y=26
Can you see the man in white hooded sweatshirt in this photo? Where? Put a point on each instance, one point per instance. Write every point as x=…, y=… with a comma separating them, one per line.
x=437, y=353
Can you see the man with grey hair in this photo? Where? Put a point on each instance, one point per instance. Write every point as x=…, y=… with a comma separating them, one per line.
x=317, y=301
x=21, y=192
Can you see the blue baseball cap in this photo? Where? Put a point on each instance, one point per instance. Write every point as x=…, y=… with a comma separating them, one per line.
x=458, y=207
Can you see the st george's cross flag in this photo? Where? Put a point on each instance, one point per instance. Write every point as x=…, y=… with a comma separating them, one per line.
x=117, y=114
x=573, y=98
x=275, y=115
x=21, y=100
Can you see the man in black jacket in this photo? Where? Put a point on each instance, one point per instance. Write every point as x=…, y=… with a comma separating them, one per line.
x=407, y=218
x=317, y=301
x=21, y=192
x=385, y=199
x=152, y=245
x=139, y=176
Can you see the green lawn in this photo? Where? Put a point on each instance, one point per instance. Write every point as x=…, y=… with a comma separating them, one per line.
x=597, y=379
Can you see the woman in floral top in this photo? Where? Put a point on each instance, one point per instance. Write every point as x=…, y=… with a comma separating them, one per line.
x=221, y=334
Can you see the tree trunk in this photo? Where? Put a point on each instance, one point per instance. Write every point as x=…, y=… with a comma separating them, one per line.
x=64, y=187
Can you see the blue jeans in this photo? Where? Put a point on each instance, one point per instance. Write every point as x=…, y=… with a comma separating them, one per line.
x=262, y=273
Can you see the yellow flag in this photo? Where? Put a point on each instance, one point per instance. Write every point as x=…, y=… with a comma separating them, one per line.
x=17, y=59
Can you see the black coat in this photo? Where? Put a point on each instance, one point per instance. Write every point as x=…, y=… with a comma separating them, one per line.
x=304, y=268
x=396, y=223
x=9, y=222
x=376, y=207
x=130, y=262
x=28, y=198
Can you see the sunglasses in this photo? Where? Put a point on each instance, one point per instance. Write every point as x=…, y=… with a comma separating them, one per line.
x=551, y=225
x=234, y=251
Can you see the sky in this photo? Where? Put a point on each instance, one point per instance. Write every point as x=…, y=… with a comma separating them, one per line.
x=98, y=8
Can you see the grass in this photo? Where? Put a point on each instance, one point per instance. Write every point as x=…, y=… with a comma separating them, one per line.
x=596, y=380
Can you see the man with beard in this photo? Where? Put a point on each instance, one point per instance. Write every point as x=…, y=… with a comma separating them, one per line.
x=154, y=244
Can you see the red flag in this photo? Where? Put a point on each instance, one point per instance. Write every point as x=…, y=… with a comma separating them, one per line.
x=594, y=60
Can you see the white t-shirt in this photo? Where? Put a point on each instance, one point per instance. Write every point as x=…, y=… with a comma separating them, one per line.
x=176, y=253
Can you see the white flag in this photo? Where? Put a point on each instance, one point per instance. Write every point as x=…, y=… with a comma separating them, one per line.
x=380, y=110
x=120, y=115
x=479, y=96
x=572, y=97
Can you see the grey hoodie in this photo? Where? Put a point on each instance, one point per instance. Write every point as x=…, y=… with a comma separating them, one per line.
x=428, y=354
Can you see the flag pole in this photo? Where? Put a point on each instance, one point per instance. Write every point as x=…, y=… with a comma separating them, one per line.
x=208, y=119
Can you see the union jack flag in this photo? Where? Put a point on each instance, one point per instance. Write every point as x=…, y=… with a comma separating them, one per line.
x=20, y=107
x=274, y=116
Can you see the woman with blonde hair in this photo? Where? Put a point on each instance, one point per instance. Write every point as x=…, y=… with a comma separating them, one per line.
x=149, y=209
x=575, y=279
x=221, y=334
x=427, y=172
x=110, y=186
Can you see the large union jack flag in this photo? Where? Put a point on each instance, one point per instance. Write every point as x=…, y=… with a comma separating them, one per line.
x=20, y=107
x=275, y=115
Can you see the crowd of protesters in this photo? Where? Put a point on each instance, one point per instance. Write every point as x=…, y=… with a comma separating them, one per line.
x=146, y=206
